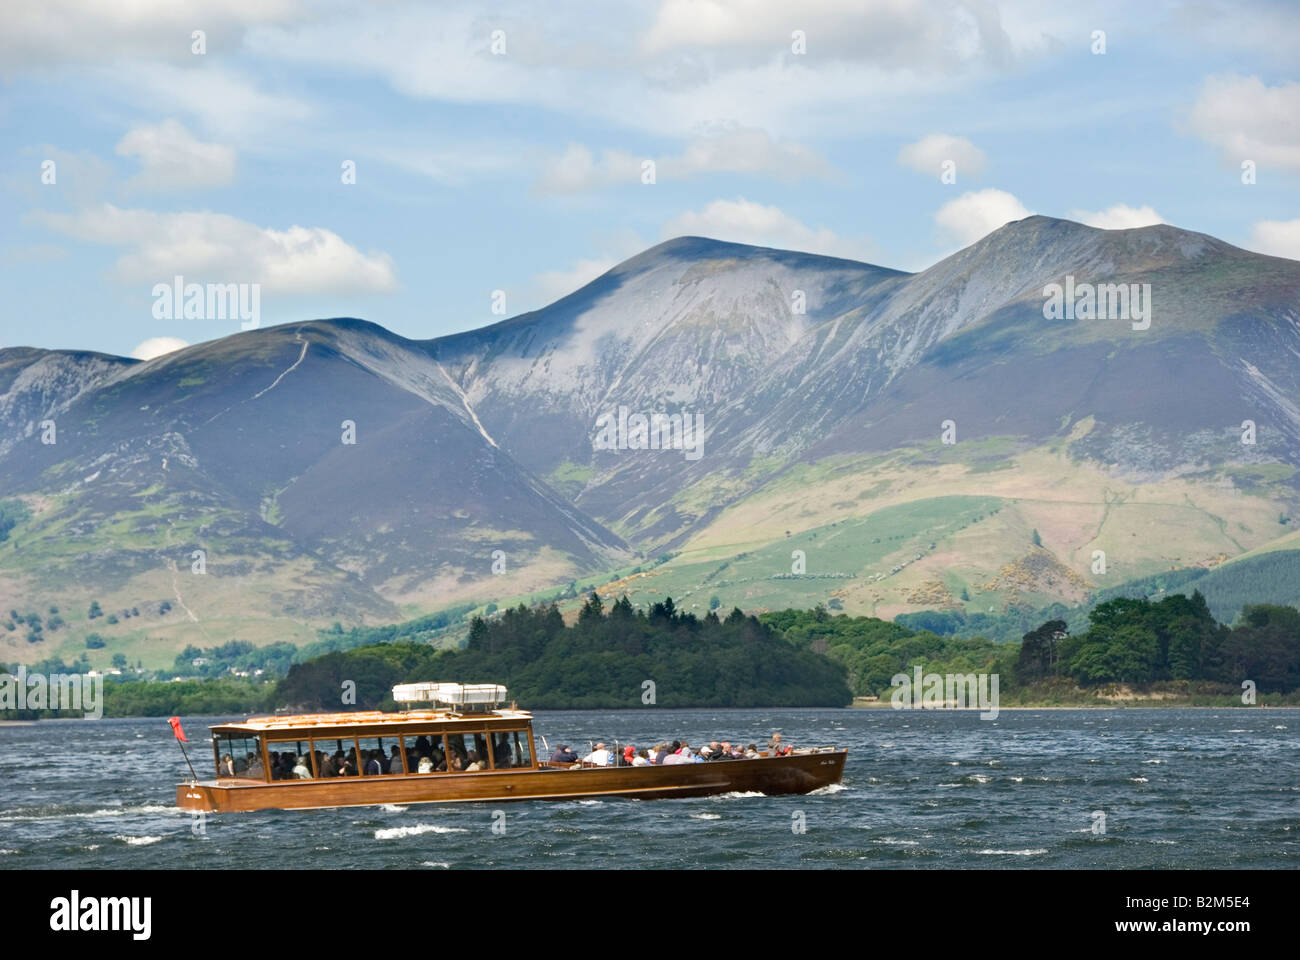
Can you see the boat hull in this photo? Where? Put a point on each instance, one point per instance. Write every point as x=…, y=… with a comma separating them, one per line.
x=796, y=774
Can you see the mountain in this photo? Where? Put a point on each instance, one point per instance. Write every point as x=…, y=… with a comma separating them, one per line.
x=482, y=467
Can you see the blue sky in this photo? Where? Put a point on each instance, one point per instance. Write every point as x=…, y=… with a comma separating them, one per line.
x=496, y=149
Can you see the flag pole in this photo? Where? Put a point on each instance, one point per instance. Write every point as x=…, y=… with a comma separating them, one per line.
x=175, y=722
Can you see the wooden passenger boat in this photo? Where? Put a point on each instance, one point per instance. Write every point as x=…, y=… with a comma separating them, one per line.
x=252, y=772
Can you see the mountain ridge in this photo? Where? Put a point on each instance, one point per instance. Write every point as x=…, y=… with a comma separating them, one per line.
x=823, y=384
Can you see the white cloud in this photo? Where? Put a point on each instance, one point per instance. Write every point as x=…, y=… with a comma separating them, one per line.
x=1248, y=120
x=1257, y=28
x=746, y=150
x=554, y=284
x=743, y=221
x=900, y=34
x=1119, y=217
x=699, y=62
x=207, y=247
x=225, y=103
x=977, y=213
x=157, y=346
x=731, y=149
x=1277, y=238
x=452, y=166
x=62, y=31
x=578, y=169
x=171, y=158
x=929, y=154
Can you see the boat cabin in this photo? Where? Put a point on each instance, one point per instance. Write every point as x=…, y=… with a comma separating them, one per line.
x=464, y=731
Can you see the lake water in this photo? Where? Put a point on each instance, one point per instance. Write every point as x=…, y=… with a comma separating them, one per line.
x=1178, y=789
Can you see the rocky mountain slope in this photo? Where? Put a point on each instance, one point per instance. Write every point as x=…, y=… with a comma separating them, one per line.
x=331, y=470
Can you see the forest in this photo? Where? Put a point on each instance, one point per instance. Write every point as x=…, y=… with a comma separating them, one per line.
x=620, y=658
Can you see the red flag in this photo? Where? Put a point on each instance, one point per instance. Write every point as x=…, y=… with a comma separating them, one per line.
x=177, y=729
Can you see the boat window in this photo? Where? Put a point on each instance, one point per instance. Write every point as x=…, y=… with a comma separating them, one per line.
x=510, y=749
x=467, y=751
x=424, y=753
x=376, y=754
x=502, y=751
x=520, y=754
x=239, y=756
x=285, y=760
x=335, y=757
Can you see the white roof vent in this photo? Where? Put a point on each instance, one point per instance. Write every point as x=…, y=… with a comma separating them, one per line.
x=481, y=696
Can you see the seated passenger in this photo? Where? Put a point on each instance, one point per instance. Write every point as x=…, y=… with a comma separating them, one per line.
x=475, y=763
x=241, y=764
x=374, y=768
x=344, y=767
x=563, y=754
x=325, y=764
x=629, y=754
x=683, y=755
x=302, y=768
x=775, y=747
x=642, y=758
x=751, y=752
x=255, y=769
x=395, y=762
x=600, y=756
x=455, y=764
x=227, y=766
x=426, y=764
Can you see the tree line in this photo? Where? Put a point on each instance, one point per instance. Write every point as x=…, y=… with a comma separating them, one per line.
x=622, y=657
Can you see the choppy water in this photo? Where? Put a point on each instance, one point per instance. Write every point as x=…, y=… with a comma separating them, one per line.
x=1179, y=788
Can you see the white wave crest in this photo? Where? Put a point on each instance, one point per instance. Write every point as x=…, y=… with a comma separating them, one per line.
x=397, y=833
x=1011, y=853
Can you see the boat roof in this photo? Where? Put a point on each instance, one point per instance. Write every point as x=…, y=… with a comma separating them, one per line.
x=306, y=723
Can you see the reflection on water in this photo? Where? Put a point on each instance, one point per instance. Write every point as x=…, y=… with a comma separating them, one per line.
x=1178, y=788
